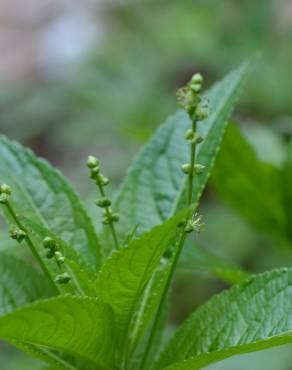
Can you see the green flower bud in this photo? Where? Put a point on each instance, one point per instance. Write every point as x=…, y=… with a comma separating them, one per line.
x=94, y=173
x=50, y=243
x=105, y=220
x=198, y=139
x=189, y=135
x=17, y=234
x=103, y=202
x=115, y=217
x=199, y=168
x=50, y=254
x=197, y=79
x=102, y=180
x=5, y=189
x=4, y=198
x=196, y=87
x=92, y=162
x=59, y=258
x=63, y=278
x=186, y=168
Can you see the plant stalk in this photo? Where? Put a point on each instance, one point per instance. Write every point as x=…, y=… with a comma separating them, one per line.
x=30, y=244
x=179, y=248
x=111, y=225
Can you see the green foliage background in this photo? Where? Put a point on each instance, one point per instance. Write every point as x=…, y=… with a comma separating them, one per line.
x=126, y=87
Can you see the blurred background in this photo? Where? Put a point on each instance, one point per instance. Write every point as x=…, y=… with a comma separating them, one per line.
x=98, y=76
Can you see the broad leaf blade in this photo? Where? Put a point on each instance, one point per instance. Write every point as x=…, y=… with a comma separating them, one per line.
x=19, y=284
x=126, y=273
x=154, y=187
x=42, y=194
x=251, y=316
x=82, y=327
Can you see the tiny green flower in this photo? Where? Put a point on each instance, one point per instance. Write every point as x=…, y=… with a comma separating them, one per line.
x=17, y=234
x=92, y=162
x=63, y=278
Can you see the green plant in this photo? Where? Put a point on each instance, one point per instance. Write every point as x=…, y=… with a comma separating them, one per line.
x=101, y=302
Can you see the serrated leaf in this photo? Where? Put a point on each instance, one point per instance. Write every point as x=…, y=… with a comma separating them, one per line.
x=19, y=284
x=249, y=186
x=80, y=326
x=43, y=195
x=154, y=187
x=251, y=316
x=126, y=273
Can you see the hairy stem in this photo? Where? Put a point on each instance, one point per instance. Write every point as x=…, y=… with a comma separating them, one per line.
x=111, y=225
x=30, y=244
x=192, y=163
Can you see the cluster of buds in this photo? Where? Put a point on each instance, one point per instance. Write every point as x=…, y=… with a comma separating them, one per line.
x=187, y=168
x=109, y=216
x=5, y=193
x=190, y=100
x=17, y=234
x=53, y=252
x=94, y=167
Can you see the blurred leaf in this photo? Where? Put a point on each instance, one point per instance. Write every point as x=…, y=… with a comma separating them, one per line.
x=251, y=187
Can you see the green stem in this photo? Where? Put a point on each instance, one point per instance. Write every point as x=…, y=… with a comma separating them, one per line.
x=30, y=244
x=111, y=225
x=162, y=300
x=178, y=249
x=192, y=163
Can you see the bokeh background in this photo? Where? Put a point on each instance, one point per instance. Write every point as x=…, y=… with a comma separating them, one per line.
x=98, y=76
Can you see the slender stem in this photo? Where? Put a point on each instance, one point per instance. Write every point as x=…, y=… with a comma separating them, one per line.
x=30, y=244
x=179, y=248
x=111, y=225
x=192, y=163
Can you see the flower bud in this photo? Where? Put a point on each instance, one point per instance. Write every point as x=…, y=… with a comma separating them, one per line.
x=186, y=168
x=92, y=162
x=189, y=228
x=50, y=243
x=102, y=180
x=5, y=189
x=4, y=198
x=197, y=78
x=17, y=234
x=115, y=217
x=63, y=278
x=196, y=87
x=103, y=202
x=189, y=134
x=198, y=139
x=94, y=173
x=50, y=254
x=59, y=258
x=199, y=168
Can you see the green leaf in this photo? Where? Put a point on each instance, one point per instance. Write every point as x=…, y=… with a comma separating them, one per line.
x=196, y=258
x=82, y=327
x=154, y=187
x=287, y=191
x=251, y=187
x=43, y=195
x=126, y=273
x=251, y=316
x=19, y=284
